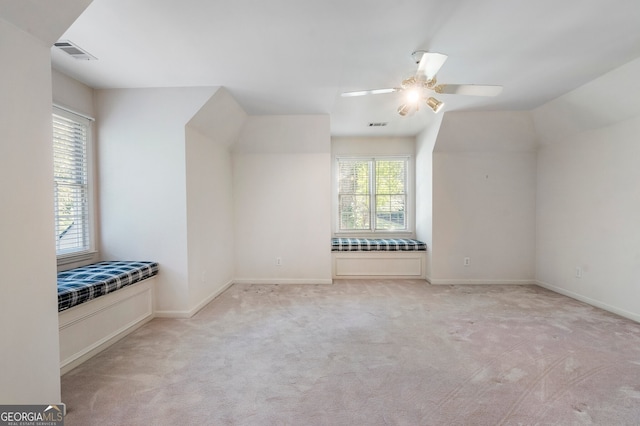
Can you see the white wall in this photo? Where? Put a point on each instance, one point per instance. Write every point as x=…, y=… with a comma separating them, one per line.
x=281, y=177
x=142, y=174
x=425, y=143
x=70, y=93
x=373, y=145
x=29, y=348
x=484, y=179
x=183, y=173
x=210, y=216
x=588, y=202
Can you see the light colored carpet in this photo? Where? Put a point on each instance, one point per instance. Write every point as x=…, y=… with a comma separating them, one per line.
x=369, y=353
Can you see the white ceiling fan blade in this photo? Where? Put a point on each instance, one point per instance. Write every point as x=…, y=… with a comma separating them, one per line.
x=469, y=89
x=369, y=92
x=430, y=64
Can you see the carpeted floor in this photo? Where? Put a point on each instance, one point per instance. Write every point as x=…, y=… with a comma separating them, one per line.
x=369, y=353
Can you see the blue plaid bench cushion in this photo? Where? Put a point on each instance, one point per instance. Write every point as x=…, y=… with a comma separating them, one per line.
x=79, y=285
x=376, y=244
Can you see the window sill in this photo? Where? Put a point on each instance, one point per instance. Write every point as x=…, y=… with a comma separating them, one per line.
x=66, y=259
x=378, y=234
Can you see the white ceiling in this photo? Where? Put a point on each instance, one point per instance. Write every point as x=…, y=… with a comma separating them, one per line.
x=45, y=20
x=297, y=56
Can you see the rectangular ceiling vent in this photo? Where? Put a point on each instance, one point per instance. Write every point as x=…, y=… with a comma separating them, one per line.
x=379, y=124
x=74, y=51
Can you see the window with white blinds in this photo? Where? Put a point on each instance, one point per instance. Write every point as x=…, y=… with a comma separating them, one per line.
x=372, y=194
x=71, y=138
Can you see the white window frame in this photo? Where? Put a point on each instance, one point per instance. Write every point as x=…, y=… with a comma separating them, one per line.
x=409, y=206
x=89, y=251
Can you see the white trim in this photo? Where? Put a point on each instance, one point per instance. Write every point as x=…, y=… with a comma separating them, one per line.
x=173, y=314
x=188, y=314
x=378, y=264
x=65, y=259
x=90, y=158
x=480, y=281
x=588, y=300
x=209, y=299
x=71, y=111
x=410, y=177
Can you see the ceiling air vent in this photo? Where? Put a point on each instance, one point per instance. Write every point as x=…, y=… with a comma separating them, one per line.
x=379, y=124
x=73, y=50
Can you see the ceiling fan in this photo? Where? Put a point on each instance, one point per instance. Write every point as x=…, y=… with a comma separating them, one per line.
x=420, y=86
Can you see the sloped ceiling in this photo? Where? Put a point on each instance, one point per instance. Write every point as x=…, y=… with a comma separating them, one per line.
x=604, y=101
x=297, y=56
x=45, y=20
x=220, y=118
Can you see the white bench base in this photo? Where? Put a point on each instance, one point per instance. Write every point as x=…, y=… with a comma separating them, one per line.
x=379, y=264
x=91, y=327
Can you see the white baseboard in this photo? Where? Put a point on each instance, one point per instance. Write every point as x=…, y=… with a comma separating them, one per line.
x=590, y=301
x=283, y=281
x=104, y=344
x=208, y=299
x=481, y=281
x=195, y=309
x=173, y=314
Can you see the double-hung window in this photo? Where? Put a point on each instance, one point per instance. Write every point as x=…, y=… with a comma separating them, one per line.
x=372, y=194
x=72, y=197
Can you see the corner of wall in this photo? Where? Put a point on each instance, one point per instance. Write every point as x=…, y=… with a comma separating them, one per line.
x=483, y=202
x=586, y=206
x=210, y=134
x=425, y=143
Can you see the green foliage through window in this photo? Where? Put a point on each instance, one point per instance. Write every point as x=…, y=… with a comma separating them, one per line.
x=372, y=194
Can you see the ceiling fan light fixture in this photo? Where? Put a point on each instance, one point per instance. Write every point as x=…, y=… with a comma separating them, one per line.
x=413, y=96
x=409, y=82
x=405, y=109
x=434, y=104
x=419, y=86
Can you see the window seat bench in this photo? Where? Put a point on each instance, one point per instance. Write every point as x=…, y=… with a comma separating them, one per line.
x=98, y=304
x=378, y=258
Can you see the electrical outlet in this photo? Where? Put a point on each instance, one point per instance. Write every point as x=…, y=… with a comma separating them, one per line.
x=578, y=272
x=467, y=261
x=278, y=261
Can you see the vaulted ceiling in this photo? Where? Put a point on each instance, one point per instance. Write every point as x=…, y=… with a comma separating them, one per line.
x=297, y=56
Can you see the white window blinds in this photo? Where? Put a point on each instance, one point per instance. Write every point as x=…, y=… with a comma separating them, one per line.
x=372, y=194
x=71, y=176
x=391, y=194
x=354, y=194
